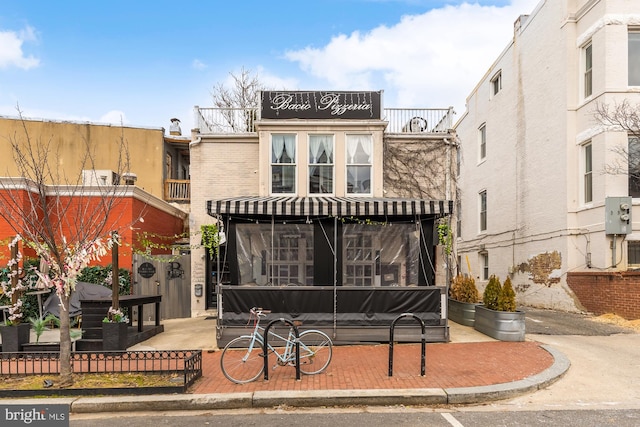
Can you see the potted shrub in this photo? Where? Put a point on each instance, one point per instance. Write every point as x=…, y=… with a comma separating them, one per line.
x=13, y=332
x=498, y=316
x=39, y=325
x=463, y=298
x=114, y=330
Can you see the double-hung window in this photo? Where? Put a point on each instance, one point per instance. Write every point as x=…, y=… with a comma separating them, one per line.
x=634, y=57
x=588, y=173
x=496, y=83
x=484, y=258
x=321, y=154
x=359, y=163
x=283, y=163
x=633, y=253
x=633, y=167
x=588, y=66
x=483, y=210
x=482, y=140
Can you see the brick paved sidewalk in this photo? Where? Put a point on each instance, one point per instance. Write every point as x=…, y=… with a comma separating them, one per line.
x=448, y=365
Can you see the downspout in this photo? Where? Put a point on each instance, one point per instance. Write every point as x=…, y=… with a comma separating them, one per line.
x=335, y=277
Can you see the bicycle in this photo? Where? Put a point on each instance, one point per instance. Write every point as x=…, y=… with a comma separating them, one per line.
x=242, y=359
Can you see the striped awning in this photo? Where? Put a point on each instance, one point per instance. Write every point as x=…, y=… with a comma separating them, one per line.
x=328, y=206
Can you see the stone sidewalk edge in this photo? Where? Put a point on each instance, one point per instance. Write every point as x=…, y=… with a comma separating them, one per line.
x=315, y=398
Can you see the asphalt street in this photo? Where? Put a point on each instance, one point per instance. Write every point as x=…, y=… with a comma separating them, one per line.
x=551, y=322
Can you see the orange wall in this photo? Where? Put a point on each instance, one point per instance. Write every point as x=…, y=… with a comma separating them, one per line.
x=156, y=222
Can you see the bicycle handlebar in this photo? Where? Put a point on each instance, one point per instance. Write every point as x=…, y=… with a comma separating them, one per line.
x=258, y=311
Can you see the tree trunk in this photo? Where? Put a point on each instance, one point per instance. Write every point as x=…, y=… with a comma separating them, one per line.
x=66, y=378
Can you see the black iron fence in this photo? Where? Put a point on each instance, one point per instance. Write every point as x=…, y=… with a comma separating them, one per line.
x=186, y=362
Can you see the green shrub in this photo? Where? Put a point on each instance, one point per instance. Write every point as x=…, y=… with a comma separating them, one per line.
x=492, y=293
x=102, y=276
x=507, y=298
x=463, y=289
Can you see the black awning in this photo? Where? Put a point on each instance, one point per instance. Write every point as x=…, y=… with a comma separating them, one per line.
x=328, y=206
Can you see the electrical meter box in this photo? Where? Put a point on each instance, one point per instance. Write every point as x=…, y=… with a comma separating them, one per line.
x=617, y=216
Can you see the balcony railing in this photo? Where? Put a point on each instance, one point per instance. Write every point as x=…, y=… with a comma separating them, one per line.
x=177, y=190
x=401, y=120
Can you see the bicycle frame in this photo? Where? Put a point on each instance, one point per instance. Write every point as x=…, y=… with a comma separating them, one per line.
x=287, y=355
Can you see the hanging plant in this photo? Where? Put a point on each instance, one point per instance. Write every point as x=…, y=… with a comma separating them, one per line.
x=210, y=239
x=445, y=237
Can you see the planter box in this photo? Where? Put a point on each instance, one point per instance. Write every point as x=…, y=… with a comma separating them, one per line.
x=114, y=336
x=463, y=313
x=14, y=337
x=33, y=347
x=501, y=325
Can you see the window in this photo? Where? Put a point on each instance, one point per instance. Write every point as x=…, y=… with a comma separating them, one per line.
x=359, y=161
x=496, y=83
x=633, y=250
x=633, y=167
x=482, y=138
x=283, y=163
x=588, y=174
x=320, y=164
x=483, y=210
x=292, y=260
x=380, y=255
x=359, y=259
x=588, y=90
x=484, y=258
x=458, y=218
x=634, y=58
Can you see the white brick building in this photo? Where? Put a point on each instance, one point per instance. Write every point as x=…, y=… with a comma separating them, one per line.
x=532, y=181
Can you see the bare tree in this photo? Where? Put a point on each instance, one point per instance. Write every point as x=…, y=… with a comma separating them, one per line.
x=66, y=223
x=237, y=105
x=623, y=117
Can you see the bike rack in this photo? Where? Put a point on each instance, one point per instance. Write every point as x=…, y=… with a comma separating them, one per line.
x=423, y=347
x=265, y=348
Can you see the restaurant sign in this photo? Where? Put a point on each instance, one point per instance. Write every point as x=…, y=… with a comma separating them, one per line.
x=321, y=105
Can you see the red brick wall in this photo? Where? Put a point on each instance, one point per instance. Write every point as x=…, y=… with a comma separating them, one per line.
x=608, y=292
x=156, y=223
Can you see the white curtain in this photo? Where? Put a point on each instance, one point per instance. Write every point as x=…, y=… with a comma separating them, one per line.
x=355, y=141
x=318, y=144
x=288, y=142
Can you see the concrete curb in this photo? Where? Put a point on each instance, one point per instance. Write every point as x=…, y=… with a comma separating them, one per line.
x=161, y=403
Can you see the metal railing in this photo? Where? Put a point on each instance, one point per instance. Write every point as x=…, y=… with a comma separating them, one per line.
x=177, y=190
x=401, y=120
x=187, y=362
x=418, y=120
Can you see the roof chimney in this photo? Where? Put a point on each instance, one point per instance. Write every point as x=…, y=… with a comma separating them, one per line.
x=175, y=127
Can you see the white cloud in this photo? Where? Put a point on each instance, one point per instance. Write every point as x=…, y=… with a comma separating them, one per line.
x=430, y=60
x=11, y=53
x=115, y=117
x=198, y=65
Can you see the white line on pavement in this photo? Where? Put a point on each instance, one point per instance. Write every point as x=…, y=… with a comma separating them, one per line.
x=451, y=419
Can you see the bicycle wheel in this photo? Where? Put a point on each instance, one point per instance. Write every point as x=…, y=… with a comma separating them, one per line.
x=239, y=364
x=316, y=349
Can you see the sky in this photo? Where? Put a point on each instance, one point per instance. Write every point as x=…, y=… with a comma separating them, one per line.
x=140, y=63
